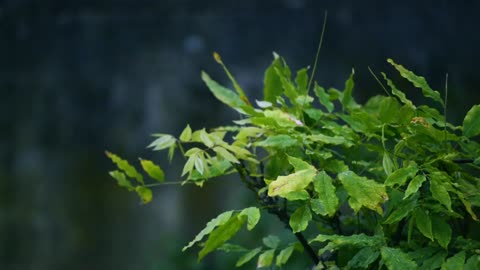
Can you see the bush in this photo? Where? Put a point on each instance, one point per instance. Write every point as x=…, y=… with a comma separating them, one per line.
x=384, y=185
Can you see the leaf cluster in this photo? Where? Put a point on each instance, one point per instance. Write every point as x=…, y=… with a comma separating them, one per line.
x=385, y=184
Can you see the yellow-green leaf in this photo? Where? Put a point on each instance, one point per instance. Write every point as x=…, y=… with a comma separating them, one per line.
x=153, y=170
x=327, y=201
x=253, y=216
x=365, y=191
x=290, y=183
x=122, y=180
x=144, y=193
x=266, y=258
x=125, y=166
x=225, y=154
x=323, y=97
x=284, y=255
x=300, y=218
x=186, y=135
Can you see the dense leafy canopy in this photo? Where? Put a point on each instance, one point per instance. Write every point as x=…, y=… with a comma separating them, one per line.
x=388, y=184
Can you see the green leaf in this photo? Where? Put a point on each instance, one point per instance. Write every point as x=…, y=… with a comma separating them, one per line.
x=455, y=262
x=387, y=163
x=153, y=170
x=206, y=138
x=271, y=241
x=471, y=123
x=277, y=141
x=188, y=167
x=125, y=166
x=414, y=185
x=355, y=240
x=144, y=193
x=323, y=97
x=211, y=225
x=222, y=234
x=253, y=216
x=299, y=165
x=186, y=135
x=272, y=83
x=389, y=110
x=396, y=259
x=282, y=119
x=290, y=183
x=284, y=255
x=335, y=140
x=417, y=81
x=163, y=141
x=347, y=99
x=223, y=94
x=225, y=154
x=441, y=231
x=327, y=201
x=424, y=223
x=301, y=195
x=302, y=81
x=400, y=176
x=473, y=263
x=266, y=258
x=402, y=211
x=122, y=180
x=248, y=256
x=399, y=94
x=300, y=218
x=364, y=191
x=364, y=258
x=434, y=262
x=439, y=192
x=199, y=164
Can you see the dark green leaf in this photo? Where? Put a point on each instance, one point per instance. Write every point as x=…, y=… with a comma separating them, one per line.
x=439, y=192
x=455, y=262
x=396, y=259
x=364, y=191
x=434, y=262
x=335, y=140
x=424, y=223
x=400, y=176
x=222, y=234
x=300, y=218
x=364, y=258
x=473, y=263
x=347, y=99
x=414, y=185
x=441, y=231
x=248, y=256
x=355, y=240
x=471, y=123
x=402, y=211
x=153, y=170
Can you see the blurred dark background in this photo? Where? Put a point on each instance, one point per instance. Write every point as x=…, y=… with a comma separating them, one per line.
x=81, y=77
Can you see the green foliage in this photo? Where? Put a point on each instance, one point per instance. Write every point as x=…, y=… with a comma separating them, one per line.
x=384, y=185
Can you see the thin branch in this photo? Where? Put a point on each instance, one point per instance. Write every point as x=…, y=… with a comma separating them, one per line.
x=318, y=50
